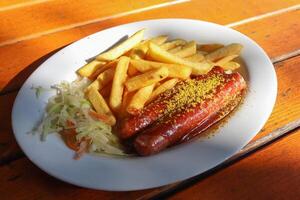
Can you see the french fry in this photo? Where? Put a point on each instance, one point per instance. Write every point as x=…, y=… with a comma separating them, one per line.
x=175, y=50
x=172, y=44
x=209, y=47
x=127, y=96
x=225, y=60
x=103, y=79
x=159, y=40
x=162, y=88
x=158, y=54
x=103, y=68
x=141, y=49
x=231, y=65
x=175, y=70
x=132, y=71
x=224, y=51
x=115, y=99
x=123, y=47
x=197, y=57
x=89, y=68
x=187, y=50
x=146, y=79
x=139, y=99
x=100, y=104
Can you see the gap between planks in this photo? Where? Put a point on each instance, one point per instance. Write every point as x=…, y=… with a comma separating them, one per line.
x=76, y=25
x=162, y=193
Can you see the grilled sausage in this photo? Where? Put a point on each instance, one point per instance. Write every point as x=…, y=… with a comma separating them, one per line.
x=173, y=127
x=155, y=110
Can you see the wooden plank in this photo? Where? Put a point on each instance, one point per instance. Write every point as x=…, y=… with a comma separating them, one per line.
x=271, y=173
x=277, y=35
x=62, y=14
x=13, y=2
x=29, y=54
x=56, y=15
x=287, y=107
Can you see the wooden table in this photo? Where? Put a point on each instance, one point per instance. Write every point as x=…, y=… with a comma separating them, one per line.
x=269, y=167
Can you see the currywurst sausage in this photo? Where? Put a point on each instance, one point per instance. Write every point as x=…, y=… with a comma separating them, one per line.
x=156, y=109
x=197, y=103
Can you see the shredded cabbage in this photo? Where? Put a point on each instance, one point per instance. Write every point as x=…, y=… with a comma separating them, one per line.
x=70, y=105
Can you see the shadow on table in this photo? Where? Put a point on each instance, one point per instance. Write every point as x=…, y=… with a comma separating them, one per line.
x=22, y=76
x=15, y=83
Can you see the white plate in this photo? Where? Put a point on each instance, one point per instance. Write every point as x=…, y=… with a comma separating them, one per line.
x=177, y=163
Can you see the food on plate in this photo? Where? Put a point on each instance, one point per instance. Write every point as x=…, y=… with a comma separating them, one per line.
x=100, y=105
x=148, y=78
x=88, y=69
x=158, y=54
x=141, y=50
x=231, y=49
x=117, y=87
x=191, y=104
x=175, y=70
x=139, y=99
x=146, y=94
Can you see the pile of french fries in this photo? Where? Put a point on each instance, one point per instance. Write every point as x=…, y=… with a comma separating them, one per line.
x=133, y=73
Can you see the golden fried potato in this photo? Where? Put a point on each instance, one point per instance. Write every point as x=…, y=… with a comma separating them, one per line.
x=209, y=47
x=175, y=70
x=228, y=50
x=231, y=66
x=146, y=79
x=225, y=60
x=103, y=68
x=172, y=44
x=139, y=99
x=123, y=47
x=186, y=50
x=103, y=79
x=115, y=99
x=100, y=104
x=197, y=57
x=162, y=88
x=127, y=96
x=89, y=68
x=158, y=54
x=132, y=71
x=141, y=49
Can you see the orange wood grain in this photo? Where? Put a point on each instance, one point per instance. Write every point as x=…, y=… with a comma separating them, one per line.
x=275, y=34
x=287, y=107
x=5, y=3
x=29, y=54
x=60, y=13
x=271, y=173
